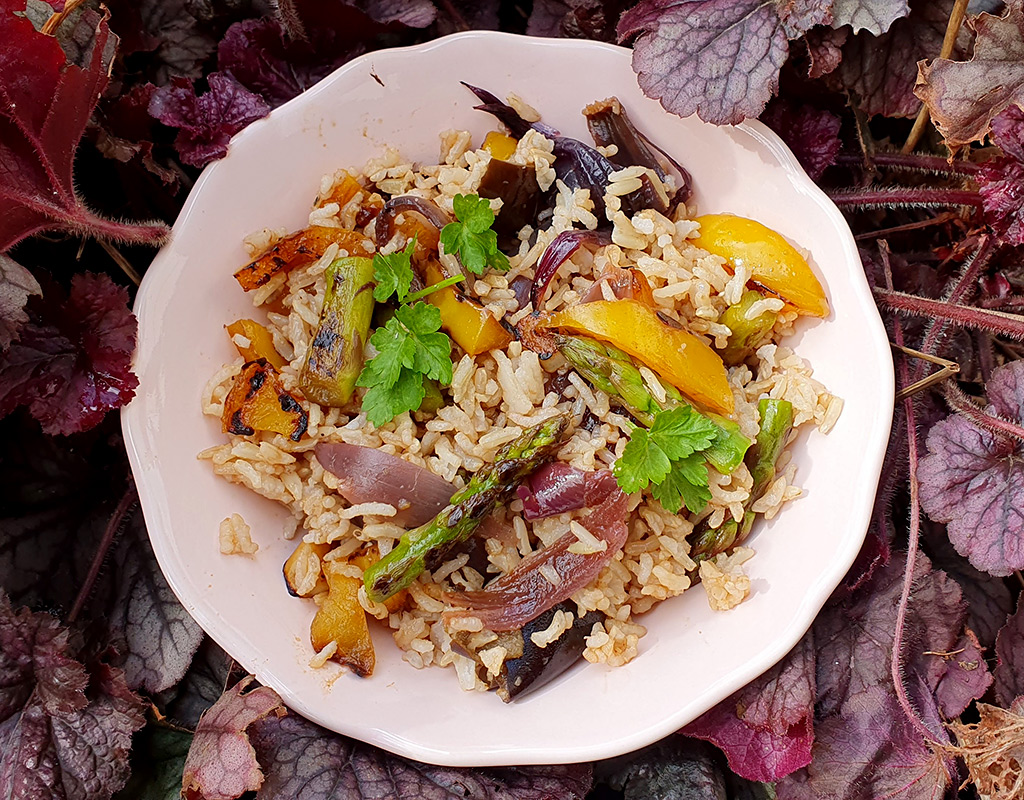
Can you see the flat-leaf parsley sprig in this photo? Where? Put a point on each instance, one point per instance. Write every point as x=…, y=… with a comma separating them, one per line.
x=410, y=351
x=670, y=459
x=471, y=238
x=393, y=275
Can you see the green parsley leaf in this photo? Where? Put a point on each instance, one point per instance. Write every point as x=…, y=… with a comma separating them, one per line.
x=681, y=431
x=670, y=459
x=471, y=238
x=686, y=483
x=382, y=403
x=431, y=349
x=393, y=274
x=642, y=462
x=410, y=349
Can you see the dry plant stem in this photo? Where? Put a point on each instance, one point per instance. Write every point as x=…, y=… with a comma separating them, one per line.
x=948, y=369
x=993, y=423
x=905, y=198
x=51, y=25
x=121, y=261
x=956, y=19
x=109, y=534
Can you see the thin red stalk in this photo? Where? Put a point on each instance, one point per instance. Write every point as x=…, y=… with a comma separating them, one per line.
x=914, y=534
x=998, y=322
x=945, y=216
x=965, y=285
x=908, y=198
x=911, y=161
x=109, y=534
x=993, y=423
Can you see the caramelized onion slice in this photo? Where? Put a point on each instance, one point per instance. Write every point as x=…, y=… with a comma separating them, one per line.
x=526, y=592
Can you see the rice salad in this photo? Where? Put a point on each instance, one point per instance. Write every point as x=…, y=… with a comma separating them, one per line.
x=608, y=229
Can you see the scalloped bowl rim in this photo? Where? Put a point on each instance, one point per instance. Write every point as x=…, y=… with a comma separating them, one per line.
x=428, y=744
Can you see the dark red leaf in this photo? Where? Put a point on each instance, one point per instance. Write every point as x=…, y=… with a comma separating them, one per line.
x=1009, y=672
x=965, y=96
x=168, y=31
x=811, y=133
x=45, y=104
x=881, y=71
x=221, y=763
x=766, y=728
x=72, y=363
x=824, y=49
x=303, y=760
x=65, y=730
x=1001, y=180
x=974, y=480
x=124, y=131
x=260, y=56
x=207, y=122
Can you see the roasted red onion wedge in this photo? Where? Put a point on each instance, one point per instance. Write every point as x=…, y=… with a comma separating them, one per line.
x=557, y=487
x=368, y=475
x=526, y=592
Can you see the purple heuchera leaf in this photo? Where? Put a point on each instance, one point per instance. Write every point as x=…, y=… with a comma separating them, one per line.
x=719, y=59
x=974, y=480
x=869, y=750
x=1000, y=179
x=881, y=71
x=207, y=122
x=811, y=133
x=874, y=16
x=72, y=363
x=221, y=763
x=159, y=634
x=766, y=728
x=865, y=746
x=988, y=599
x=964, y=96
x=966, y=677
x=301, y=759
x=65, y=730
x=260, y=56
x=1009, y=672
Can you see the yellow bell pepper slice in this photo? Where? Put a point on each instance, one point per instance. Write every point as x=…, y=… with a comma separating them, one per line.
x=774, y=263
x=261, y=343
x=472, y=326
x=678, y=356
x=500, y=145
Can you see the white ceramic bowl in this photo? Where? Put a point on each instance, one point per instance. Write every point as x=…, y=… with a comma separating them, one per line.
x=691, y=657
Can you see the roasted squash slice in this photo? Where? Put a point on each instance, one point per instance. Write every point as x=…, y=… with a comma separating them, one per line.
x=341, y=619
x=303, y=570
x=258, y=402
x=299, y=250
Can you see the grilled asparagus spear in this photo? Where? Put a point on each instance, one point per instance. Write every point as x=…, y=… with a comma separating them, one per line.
x=613, y=372
x=776, y=423
x=335, y=355
x=426, y=546
x=747, y=334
